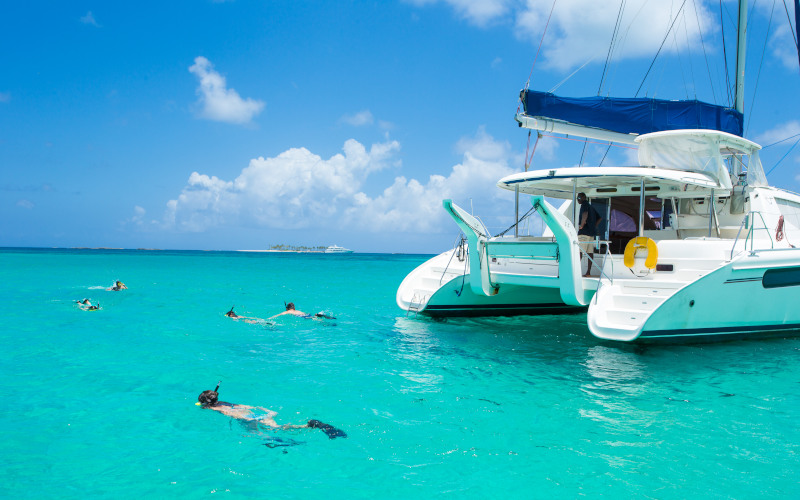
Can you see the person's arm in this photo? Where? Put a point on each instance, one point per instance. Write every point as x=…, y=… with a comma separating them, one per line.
x=583, y=220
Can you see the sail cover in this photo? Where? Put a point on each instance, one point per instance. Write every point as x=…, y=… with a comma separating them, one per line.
x=632, y=115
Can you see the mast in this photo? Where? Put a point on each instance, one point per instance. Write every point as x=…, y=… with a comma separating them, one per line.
x=740, y=56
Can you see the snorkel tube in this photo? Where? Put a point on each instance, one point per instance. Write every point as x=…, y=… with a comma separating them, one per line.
x=205, y=397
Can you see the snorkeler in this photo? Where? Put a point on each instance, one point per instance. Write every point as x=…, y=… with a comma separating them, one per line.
x=290, y=310
x=247, y=319
x=86, y=305
x=258, y=414
x=118, y=285
x=294, y=312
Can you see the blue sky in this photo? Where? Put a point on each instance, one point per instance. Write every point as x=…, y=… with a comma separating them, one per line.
x=243, y=124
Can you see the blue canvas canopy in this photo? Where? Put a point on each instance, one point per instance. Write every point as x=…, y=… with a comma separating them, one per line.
x=639, y=115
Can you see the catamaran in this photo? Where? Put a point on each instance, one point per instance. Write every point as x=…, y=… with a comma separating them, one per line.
x=694, y=243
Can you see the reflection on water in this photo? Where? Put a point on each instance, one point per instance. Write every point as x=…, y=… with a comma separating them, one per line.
x=614, y=391
x=417, y=348
x=614, y=370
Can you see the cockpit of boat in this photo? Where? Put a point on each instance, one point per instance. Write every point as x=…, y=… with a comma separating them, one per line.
x=689, y=183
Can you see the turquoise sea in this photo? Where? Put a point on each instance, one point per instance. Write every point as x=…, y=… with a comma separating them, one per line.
x=101, y=404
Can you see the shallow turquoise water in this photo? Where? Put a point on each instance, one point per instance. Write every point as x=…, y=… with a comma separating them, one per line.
x=101, y=404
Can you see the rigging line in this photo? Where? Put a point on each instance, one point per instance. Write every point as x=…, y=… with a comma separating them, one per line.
x=782, y=140
x=562, y=82
x=527, y=83
x=611, y=45
x=680, y=63
x=705, y=53
x=797, y=23
x=605, y=154
x=691, y=66
x=760, y=66
x=622, y=39
x=583, y=153
x=784, y=157
x=532, y=209
x=528, y=161
x=791, y=28
x=725, y=55
x=659, y=49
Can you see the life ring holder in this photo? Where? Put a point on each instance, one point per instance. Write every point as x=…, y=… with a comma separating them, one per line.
x=641, y=243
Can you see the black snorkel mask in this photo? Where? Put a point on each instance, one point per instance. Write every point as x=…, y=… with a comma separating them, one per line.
x=207, y=404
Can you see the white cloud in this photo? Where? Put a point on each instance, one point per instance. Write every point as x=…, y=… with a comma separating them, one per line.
x=216, y=101
x=89, y=19
x=138, y=216
x=411, y=206
x=783, y=47
x=25, y=204
x=5, y=96
x=359, y=119
x=580, y=30
x=478, y=12
x=298, y=189
x=579, y=24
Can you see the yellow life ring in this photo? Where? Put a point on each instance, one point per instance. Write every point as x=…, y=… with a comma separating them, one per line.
x=639, y=243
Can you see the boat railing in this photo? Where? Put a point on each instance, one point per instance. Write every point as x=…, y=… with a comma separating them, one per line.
x=748, y=223
x=606, y=258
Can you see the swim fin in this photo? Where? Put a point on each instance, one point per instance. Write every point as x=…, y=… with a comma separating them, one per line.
x=329, y=430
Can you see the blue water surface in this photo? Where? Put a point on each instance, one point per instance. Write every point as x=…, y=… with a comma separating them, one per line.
x=101, y=404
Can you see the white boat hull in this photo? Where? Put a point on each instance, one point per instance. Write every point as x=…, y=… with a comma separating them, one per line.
x=440, y=287
x=752, y=295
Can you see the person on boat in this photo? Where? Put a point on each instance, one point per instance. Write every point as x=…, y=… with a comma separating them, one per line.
x=589, y=220
x=294, y=312
x=209, y=400
x=118, y=285
x=87, y=305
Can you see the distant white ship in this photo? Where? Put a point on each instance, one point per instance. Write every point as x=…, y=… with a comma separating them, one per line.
x=337, y=249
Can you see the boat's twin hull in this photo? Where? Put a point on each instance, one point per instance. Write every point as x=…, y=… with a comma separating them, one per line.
x=454, y=299
x=754, y=295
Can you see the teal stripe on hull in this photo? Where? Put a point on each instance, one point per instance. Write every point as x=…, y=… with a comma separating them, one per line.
x=500, y=309
x=719, y=334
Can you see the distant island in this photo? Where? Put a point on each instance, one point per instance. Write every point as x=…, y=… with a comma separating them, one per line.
x=295, y=248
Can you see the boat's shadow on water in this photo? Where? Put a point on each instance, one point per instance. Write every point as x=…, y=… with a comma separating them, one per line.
x=569, y=334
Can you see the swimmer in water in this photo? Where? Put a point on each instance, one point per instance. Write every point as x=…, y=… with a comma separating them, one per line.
x=246, y=319
x=290, y=310
x=118, y=285
x=258, y=414
x=294, y=312
x=86, y=305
